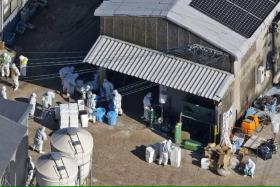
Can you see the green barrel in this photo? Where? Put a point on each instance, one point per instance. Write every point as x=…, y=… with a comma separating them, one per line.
x=178, y=133
x=192, y=145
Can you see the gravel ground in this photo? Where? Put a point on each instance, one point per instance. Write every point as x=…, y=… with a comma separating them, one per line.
x=119, y=150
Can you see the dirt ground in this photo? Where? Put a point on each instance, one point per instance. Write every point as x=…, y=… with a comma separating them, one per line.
x=69, y=25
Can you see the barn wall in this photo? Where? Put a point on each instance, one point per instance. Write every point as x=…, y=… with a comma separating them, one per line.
x=247, y=88
x=155, y=33
x=160, y=34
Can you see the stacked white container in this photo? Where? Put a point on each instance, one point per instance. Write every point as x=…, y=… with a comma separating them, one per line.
x=64, y=115
x=175, y=156
x=150, y=154
x=74, y=115
x=81, y=105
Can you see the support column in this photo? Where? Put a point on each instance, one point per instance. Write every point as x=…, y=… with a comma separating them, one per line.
x=218, y=122
x=1, y=19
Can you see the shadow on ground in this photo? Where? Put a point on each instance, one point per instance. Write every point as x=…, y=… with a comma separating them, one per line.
x=139, y=151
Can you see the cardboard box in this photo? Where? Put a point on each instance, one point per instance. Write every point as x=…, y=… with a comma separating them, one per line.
x=2, y=45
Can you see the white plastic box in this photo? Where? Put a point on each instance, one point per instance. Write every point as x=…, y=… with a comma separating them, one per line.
x=81, y=105
x=205, y=163
x=84, y=120
x=150, y=154
x=175, y=156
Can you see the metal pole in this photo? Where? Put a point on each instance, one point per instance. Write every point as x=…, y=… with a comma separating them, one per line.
x=1, y=19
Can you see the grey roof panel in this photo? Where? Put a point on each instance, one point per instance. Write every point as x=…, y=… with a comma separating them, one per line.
x=11, y=134
x=160, y=68
x=14, y=110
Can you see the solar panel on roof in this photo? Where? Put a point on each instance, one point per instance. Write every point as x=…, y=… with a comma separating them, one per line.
x=259, y=8
x=242, y=16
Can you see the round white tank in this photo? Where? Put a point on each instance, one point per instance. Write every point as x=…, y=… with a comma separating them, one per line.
x=78, y=143
x=56, y=169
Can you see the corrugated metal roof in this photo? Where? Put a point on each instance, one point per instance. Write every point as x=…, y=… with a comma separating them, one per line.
x=159, y=68
x=182, y=14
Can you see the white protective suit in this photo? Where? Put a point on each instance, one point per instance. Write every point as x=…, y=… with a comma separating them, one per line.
x=3, y=93
x=108, y=88
x=117, y=101
x=147, y=103
x=86, y=89
x=15, y=75
x=5, y=68
x=95, y=82
x=64, y=72
x=69, y=84
x=83, y=91
x=91, y=104
x=23, y=65
x=30, y=170
x=249, y=169
x=39, y=139
x=50, y=96
x=165, y=148
x=147, y=100
x=45, y=106
x=33, y=104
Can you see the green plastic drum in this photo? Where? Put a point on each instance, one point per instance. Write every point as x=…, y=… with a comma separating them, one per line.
x=178, y=133
x=151, y=116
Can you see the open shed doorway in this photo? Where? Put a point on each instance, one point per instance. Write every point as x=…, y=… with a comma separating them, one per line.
x=133, y=90
x=199, y=122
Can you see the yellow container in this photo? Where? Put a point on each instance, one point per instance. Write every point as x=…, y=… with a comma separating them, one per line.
x=250, y=124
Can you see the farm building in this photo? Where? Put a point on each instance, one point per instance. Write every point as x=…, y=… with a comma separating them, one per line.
x=14, y=142
x=213, y=57
x=11, y=9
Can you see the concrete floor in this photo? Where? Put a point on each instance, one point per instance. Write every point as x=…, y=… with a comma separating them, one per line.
x=119, y=150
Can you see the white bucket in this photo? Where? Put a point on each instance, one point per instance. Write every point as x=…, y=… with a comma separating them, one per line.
x=205, y=163
x=84, y=120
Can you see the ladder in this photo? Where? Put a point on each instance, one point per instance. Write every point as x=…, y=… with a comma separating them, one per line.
x=75, y=140
x=60, y=166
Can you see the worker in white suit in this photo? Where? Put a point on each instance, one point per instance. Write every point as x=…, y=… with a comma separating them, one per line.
x=6, y=61
x=49, y=96
x=15, y=75
x=91, y=104
x=108, y=88
x=165, y=148
x=3, y=93
x=117, y=101
x=63, y=73
x=23, y=65
x=69, y=84
x=39, y=139
x=147, y=103
x=32, y=102
x=249, y=169
x=30, y=170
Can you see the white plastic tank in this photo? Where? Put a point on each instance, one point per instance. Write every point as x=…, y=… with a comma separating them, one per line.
x=78, y=143
x=56, y=169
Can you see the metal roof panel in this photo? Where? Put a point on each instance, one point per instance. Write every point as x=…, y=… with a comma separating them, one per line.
x=158, y=67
